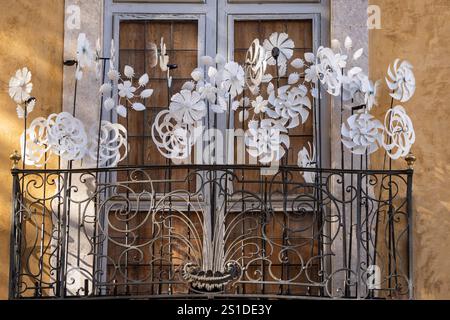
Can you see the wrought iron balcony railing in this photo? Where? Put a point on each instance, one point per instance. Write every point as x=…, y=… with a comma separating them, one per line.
x=221, y=231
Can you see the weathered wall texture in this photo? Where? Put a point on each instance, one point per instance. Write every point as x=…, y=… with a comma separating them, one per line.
x=418, y=31
x=31, y=34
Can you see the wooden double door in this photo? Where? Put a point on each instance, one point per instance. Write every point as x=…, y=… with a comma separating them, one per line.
x=192, y=30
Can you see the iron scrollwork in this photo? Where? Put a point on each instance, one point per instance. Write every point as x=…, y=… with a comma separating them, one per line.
x=211, y=230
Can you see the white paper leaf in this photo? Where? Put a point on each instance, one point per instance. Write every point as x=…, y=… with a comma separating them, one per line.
x=270, y=88
x=217, y=108
x=335, y=44
x=79, y=74
x=298, y=63
x=197, y=74
x=266, y=78
x=109, y=104
x=20, y=112
x=309, y=57
x=121, y=111
x=243, y=115
x=348, y=43
x=105, y=88
x=163, y=62
x=293, y=78
x=128, y=72
x=143, y=80
x=212, y=72
x=220, y=59
x=234, y=105
x=146, y=93
x=206, y=61
x=358, y=54
x=138, y=106
x=188, y=85
x=354, y=71
x=113, y=75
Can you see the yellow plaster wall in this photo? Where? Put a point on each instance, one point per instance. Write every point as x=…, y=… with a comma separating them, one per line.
x=419, y=31
x=31, y=34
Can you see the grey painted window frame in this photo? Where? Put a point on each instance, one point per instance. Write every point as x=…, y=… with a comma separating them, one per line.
x=217, y=18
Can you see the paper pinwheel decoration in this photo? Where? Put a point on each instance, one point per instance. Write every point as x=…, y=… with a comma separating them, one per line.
x=398, y=135
x=37, y=145
x=173, y=139
x=362, y=133
x=113, y=148
x=290, y=104
x=401, y=81
x=266, y=141
x=66, y=136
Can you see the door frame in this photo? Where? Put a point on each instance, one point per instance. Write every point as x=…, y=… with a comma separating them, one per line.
x=217, y=17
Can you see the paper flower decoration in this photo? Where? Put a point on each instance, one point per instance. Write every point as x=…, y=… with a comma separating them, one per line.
x=284, y=45
x=259, y=105
x=401, y=80
x=113, y=144
x=37, y=145
x=255, y=66
x=266, y=140
x=20, y=86
x=290, y=104
x=187, y=107
x=307, y=159
x=398, y=134
x=66, y=136
x=124, y=92
x=351, y=86
x=233, y=78
x=329, y=69
x=210, y=88
x=85, y=56
x=173, y=140
x=362, y=133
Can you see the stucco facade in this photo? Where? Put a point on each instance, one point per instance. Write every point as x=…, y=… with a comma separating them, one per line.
x=30, y=35
x=417, y=30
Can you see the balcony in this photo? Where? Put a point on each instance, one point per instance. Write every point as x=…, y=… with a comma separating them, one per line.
x=217, y=231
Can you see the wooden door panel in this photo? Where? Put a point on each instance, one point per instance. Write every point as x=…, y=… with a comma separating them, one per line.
x=137, y=44
x=300, y=31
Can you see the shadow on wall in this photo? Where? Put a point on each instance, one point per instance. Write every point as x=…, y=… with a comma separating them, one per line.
x=417, y=30
x=31, y=35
